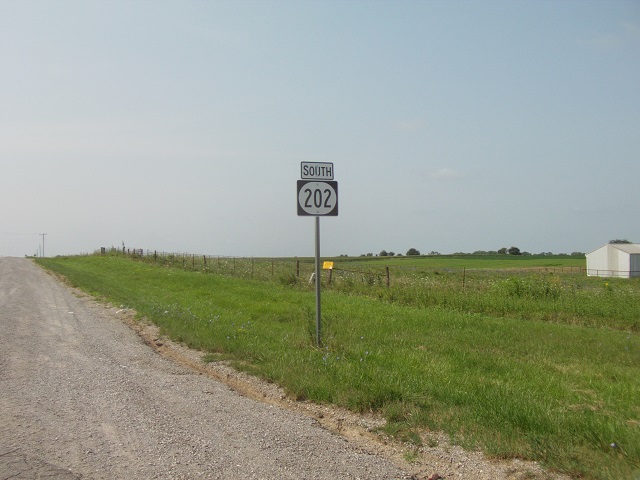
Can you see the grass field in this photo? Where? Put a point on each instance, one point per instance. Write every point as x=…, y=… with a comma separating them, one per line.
x=469, y=261
x=535, y=364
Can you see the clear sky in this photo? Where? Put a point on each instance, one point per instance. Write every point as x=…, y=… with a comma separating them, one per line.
x=180, y=126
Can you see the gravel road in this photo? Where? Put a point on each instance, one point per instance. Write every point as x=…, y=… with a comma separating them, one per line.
x=85, y=395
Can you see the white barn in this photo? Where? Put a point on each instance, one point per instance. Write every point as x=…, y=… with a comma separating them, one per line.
x=615, y=260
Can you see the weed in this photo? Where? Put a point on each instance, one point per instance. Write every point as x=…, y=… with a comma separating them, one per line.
x=411, y=456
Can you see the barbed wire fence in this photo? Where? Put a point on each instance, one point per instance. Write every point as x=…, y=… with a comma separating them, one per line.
x=301, y=270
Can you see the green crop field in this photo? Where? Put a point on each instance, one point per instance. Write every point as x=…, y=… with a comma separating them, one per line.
x=469, y=261
x=518, y=358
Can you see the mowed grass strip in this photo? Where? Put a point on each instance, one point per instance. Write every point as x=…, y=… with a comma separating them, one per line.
x=565, y=395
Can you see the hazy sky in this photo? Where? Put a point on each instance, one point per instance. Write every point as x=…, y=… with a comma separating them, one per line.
x=452, y=125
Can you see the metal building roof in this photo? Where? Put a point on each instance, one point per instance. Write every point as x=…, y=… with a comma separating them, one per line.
x=626, y=247
x=630, y=248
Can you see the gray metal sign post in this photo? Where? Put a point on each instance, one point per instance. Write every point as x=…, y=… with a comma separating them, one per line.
x=317, y=197
x=317, y=279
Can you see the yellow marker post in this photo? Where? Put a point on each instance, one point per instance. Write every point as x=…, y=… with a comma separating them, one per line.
x=329, y=267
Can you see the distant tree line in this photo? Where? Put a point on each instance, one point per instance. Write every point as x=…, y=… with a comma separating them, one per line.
x=502, y=251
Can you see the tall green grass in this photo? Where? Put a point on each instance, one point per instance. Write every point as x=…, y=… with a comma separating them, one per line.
x=527, y=295
x=564, y=393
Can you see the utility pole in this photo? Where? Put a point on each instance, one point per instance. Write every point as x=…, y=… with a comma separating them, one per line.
x=43, y=234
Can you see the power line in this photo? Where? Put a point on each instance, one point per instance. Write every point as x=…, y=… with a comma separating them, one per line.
x=19, y=234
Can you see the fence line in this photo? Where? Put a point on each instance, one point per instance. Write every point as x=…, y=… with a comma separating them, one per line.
x=295, y=270
x=595, y=272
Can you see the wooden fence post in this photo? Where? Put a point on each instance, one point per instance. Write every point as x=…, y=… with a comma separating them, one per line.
x=388, y=277
x=464, y=274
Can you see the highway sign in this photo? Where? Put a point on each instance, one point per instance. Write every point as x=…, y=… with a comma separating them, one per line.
x=316, y=170
x=318, y=198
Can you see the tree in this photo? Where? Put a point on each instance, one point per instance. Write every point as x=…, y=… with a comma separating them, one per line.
x=619, y=241
x=502, y=251
x=413, y=251
x=383, y=253
x=514, y=251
